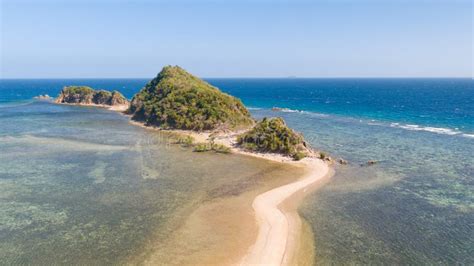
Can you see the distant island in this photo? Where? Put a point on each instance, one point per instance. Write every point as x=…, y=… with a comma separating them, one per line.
x=178, y=100
x=83, y=95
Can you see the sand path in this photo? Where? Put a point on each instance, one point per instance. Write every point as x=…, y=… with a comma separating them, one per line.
x=273, y=246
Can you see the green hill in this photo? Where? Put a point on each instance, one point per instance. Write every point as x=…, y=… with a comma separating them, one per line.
x=273, y=135
x=87, y=95
x=178, y=100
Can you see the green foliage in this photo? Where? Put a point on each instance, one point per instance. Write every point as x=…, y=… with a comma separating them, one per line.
x=117, y=98
x=322, y=155
x=219, y=148
x=202, y=147
x=299, y=155
x=81, y=90
x=185, y=141
x=272, y=135
x=76, y=94
x=102, y=97
x=179, y=100
x=211, y=146
x=87, y=95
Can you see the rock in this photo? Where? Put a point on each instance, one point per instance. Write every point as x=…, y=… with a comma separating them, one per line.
x=117, y=99
x=323, y=155
x=43, y=97
x=102, y=97
x=369, y=163
x=76, y=94
x=342, y=161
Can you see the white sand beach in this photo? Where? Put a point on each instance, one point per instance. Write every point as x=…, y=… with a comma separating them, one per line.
x=275, y=244
x=278, y=228
x=117, y=108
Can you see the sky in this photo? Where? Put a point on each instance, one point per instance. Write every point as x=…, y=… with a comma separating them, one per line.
x=259, y=38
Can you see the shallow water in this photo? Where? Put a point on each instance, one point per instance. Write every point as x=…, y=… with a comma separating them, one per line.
x=81, y=185
x=416, y=206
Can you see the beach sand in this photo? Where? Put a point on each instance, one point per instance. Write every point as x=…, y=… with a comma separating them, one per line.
x=117, y=108
x=280, y=227
x=217, y=232
x=280, y=239
x=264, y=225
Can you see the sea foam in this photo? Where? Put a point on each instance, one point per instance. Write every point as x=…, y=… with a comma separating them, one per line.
x=437, y=130
x=288, y=110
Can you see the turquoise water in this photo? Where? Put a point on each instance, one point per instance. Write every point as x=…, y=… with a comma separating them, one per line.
x=416, y=206
x=81, y=186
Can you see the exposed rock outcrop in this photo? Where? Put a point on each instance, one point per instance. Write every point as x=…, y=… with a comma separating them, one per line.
x=45, y=97
x=342, y=161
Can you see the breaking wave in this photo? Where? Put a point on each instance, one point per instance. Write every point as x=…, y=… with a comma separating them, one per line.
x=288, y=110
x=437, y=130
x=372, y=122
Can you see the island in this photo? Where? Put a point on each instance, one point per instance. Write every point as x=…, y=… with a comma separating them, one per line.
x=84, y=95
x=175, y=99
x=200, y=116
x=207, y=119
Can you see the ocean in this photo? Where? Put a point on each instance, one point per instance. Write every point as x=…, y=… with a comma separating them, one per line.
x=415, y=206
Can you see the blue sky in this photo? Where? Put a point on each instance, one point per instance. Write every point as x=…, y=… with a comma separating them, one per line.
x=105, y=38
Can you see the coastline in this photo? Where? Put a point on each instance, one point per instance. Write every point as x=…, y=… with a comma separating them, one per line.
x=279, y=227
x=117, y=108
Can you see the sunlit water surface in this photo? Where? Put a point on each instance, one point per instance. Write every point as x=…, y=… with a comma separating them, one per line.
x=416, y=206
x=81, y=185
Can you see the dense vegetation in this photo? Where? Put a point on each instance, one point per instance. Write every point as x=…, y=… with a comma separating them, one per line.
x=176, y=99
x=87, y=95
x=188, y=141
x=117, y=98
x=211, y=146
x=272, y=135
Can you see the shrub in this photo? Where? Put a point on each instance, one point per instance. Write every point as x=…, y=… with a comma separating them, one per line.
x=185, y=141
x=272, y=135
x=202, y=147
x=299, y=155
x=219, y=148
x=211, y=146
x=322, y=155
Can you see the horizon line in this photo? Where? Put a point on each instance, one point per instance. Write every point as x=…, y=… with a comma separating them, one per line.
x=263, y=77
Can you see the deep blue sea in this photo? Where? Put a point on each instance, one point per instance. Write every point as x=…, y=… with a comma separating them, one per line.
x=416, y=206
